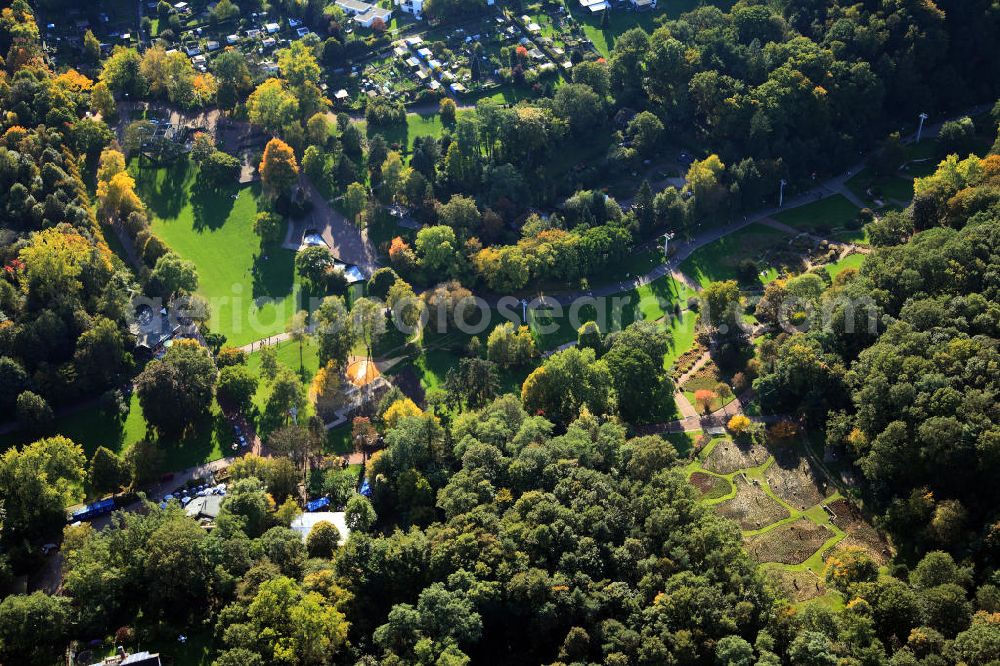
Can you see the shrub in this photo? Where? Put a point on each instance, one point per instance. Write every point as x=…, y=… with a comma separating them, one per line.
x=268, y=226
x=783, y=432
x=382, y=112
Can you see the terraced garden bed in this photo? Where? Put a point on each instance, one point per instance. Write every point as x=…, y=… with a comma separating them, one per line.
x=792, y=543
x=793, y=479
x=752, y=508
x=727, y=457
x=710, y=486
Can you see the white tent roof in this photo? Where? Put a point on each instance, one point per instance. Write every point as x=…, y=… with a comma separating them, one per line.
x=305, y=522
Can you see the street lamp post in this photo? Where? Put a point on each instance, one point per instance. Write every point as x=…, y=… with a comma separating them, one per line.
x=524, y=311
x=920, y=128
x=667, y=237
x=781, y=193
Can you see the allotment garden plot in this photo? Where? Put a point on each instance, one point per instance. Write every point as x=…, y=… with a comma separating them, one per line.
x=791, y=519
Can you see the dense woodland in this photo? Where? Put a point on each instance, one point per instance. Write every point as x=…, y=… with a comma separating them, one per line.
x=537, y=527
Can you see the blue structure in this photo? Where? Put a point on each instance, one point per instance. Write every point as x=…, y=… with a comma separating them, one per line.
x=94, y=510
x=365, y=489
x=318, y=504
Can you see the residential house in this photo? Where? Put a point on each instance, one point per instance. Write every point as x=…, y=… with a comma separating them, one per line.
x=412, y=7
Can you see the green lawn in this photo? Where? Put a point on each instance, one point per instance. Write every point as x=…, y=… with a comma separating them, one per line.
x=432, y=366
x=649, y=302
x=338, y=439
x=682, y=333
x=887, y=188
x=288, y=355
x=198, y=648
x=620, y=20
x=921, y=169
x=93, y=427
x=427, y=124
x=251, y=293
x=507, y=93
x=720, y=259
x=682, y=441
x=636, y=264
x=850, y=261
x=833, y=214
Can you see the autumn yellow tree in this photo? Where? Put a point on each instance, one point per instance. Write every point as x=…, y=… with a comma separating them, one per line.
x=326, y=391
x=73, y=81
x=398, y=411
x=848, y=566
x=112, y=162
x=394, y=173
x=703, y=181
x=117, y=198
x=54, y=261
x=738, y=424
x=279, y=169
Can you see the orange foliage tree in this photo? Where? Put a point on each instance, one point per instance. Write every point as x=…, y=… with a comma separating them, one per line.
x=279, y=169
x=705, y=398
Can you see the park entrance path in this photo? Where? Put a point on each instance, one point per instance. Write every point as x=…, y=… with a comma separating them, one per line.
x=684, y=406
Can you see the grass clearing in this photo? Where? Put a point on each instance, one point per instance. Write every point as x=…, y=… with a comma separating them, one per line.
x=798, y=585
x=92, y=427
x=417, y=124
x=338, y=440
x=621, y=20
x=198, y=648
x=637, y=263
x=850, y=261
x=682, y=441
x=288, y=355
x=682, y=333
x=720, y=259
x=832, y=214
x=895, y=189
x=251, y=293
x=658, y=300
